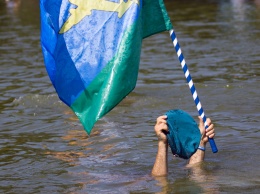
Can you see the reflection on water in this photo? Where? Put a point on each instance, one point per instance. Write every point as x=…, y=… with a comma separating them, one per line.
x=43, y=147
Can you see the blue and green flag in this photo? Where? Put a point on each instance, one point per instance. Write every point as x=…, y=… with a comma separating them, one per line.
x=92, y=49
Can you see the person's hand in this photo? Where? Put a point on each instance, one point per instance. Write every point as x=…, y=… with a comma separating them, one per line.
x=205, y=134
x=161, y=128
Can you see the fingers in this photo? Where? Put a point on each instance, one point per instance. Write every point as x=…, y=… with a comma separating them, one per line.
x=161, y=119
x=161, y=128
x=161, y=124
x=208, y=121
x=210, y=131
x=210, y=135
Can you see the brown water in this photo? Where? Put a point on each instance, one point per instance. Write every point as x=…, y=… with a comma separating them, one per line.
x=44, y=149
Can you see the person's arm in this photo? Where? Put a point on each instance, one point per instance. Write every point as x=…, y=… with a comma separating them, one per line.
x=199, y=155
x=160, y=167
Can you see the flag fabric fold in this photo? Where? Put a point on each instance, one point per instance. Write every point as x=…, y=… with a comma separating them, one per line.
x=92, y=49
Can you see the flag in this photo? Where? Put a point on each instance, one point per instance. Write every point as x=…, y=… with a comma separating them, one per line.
x=91, y=50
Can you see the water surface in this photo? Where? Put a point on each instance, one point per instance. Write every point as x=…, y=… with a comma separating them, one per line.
x=43, y=147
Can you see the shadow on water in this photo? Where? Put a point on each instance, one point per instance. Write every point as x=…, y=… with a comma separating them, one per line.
x=43, y=147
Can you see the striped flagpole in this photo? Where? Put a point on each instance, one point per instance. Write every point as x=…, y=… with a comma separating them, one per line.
x=191, y=86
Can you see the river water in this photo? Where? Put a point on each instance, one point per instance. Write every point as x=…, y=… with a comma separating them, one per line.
x=44, y=149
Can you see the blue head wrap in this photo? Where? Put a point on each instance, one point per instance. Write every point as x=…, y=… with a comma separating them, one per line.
x=184, y=135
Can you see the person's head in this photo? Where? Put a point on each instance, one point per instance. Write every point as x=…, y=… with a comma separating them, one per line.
x=184, y=135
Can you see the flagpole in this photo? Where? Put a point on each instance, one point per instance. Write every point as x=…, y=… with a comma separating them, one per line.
x=191, y=86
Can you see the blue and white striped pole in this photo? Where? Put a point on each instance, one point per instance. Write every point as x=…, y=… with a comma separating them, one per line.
x=191, y=86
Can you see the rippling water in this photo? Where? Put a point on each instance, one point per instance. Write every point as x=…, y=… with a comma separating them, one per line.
x=43, y=147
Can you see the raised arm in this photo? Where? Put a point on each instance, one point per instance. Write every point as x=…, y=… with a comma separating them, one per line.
x=199, y=155
x=160, y=167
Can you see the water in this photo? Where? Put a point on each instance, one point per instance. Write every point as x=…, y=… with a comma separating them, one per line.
x=43, y=147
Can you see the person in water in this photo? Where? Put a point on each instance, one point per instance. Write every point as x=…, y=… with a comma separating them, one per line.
x=161, y=128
